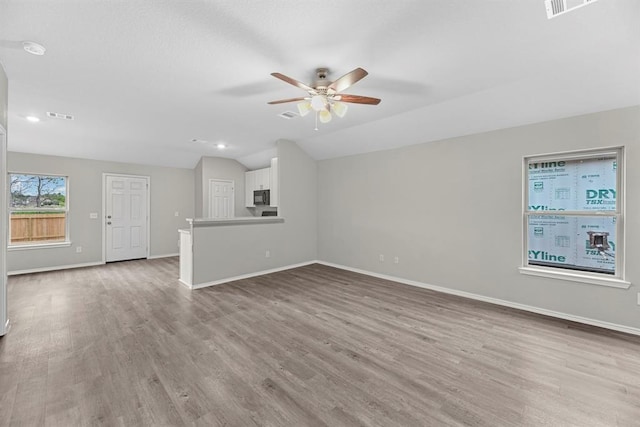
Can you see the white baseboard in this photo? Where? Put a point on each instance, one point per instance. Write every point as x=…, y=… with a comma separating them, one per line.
x=248, y=275
x=524, y=307
x=163, y=256
x=7, y=326
x=53, y=268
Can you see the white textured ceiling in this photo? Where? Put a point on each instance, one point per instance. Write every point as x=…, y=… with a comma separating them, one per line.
x=143, y=78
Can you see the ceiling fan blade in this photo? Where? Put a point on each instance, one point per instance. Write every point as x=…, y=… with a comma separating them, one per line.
x=347, y=80
x=357, y=99
x=282, y=101
x=293, y=82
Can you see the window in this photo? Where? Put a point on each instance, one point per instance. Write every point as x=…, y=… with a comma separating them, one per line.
x=38, y=209
x=573, y=216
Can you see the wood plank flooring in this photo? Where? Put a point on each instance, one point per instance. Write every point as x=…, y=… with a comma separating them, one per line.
x=125, y=344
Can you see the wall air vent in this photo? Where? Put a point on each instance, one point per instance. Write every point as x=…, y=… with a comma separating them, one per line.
x=288, y=115
x=559, y=7
x=59, y=116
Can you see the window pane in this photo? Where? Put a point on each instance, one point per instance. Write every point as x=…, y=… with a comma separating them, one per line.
x=573, y=185
x=586, y=243
x=38, y=192
x=29, y=227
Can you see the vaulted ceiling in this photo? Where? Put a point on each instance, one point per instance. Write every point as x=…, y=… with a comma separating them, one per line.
x=144, y=78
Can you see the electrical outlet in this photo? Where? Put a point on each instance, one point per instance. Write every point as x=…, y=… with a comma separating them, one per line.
x=267, y=254
x=396, y=260
x=93, y=215
x=78, y=249
x=381, y=258
x=176, y=213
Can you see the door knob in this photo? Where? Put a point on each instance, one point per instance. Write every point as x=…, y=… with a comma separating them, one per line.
x=108, y=222
x=109, y=216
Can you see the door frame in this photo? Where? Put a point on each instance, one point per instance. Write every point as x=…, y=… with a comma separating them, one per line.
x=233, y=204
x=104, y=210
x=4, y=234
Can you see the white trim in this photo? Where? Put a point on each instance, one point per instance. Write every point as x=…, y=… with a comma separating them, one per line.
x=104, y=211
x=524, y=307
x=573, y=276
x=163, y=256
x=7, y=326
x=4, y=229
x=248, y=275
x=12, y=248
x=54, y=268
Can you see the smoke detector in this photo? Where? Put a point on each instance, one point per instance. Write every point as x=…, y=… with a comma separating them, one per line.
x=559, y=7
x=33, y=48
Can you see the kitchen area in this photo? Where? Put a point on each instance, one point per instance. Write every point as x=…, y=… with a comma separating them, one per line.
x=261, y=190
x=241, y=229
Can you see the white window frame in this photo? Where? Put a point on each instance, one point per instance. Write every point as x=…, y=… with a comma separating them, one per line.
x=618, y=279
x=44, y=244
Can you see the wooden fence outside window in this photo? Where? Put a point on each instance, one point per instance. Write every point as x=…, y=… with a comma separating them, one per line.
x=38, y=227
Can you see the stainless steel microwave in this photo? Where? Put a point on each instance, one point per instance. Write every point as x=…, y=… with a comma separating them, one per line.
x=261, y=197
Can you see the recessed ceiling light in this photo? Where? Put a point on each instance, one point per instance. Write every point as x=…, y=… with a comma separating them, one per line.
x=33, y=48
x=221, y=146
x=33, y=119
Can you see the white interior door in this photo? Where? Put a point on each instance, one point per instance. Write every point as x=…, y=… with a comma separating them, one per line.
x=127, y=219
x=221, y=199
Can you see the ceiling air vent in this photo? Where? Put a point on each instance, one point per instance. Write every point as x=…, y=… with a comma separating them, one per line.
x=558, y=7
x=59, y=116
x=288, y=115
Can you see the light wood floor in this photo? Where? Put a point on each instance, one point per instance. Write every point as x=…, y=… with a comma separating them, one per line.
x=124, y=344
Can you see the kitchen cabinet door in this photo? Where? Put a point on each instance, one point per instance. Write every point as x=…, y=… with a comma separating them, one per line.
x=263, y=179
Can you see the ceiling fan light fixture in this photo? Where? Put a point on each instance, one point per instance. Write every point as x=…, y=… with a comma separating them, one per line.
x=304, y=108
x=319, y=102
x=324, y=116
x=340, y=108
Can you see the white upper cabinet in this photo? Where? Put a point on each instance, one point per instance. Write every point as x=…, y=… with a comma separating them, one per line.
x=263, y=179
x=256, y=180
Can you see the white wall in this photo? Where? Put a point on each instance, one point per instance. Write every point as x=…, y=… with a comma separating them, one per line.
x=222, y=252
x=224, y=169
x=172, y=190
x=452, y=212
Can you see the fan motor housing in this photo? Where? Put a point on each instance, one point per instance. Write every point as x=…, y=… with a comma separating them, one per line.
x=322, y=82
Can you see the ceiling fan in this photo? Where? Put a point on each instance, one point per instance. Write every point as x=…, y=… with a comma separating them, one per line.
x=326, y=97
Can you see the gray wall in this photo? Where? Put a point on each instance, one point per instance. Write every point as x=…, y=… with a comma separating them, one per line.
x=4, y=97
x=219, y=168
x=171, y=191
x=452, y=212
x=199, y=195
x=227, y=251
